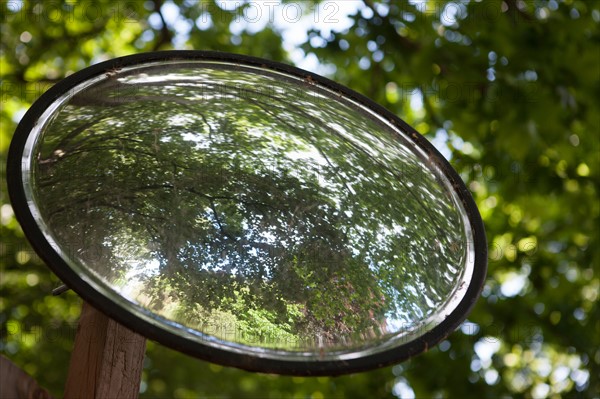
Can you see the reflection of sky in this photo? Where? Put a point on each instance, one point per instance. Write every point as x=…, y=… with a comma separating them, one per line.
x=138, y=263
x=137, y=273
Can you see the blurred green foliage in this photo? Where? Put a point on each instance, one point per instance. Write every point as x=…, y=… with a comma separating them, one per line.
x=509, y=90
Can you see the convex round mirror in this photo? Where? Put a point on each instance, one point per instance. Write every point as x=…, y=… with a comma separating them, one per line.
x=247, y=212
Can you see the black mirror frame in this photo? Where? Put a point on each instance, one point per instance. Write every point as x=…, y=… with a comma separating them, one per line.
x=197, y=349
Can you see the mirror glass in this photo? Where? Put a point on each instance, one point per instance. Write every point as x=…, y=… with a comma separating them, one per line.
x=249, y=209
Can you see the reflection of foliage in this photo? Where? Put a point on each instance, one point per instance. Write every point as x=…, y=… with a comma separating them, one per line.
x=248, y=193
x=517, y=81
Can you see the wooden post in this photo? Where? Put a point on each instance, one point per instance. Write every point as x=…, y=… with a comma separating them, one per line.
x=17, y=384
x=107, y=359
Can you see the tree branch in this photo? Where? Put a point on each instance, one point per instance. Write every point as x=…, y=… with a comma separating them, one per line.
x=165, y=33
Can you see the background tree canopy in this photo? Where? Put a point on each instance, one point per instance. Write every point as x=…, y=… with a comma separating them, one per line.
x=507, y=90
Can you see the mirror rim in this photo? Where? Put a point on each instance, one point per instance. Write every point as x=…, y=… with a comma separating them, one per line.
x=197, y=349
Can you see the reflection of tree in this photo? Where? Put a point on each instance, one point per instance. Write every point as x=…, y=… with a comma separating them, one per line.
x=254, y=202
